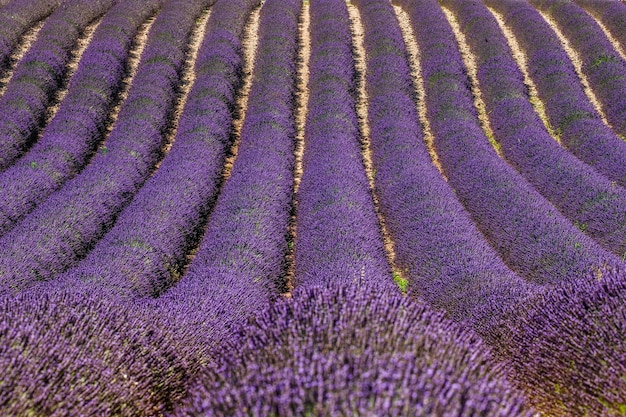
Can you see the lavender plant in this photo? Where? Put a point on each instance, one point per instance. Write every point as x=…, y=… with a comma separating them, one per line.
x=39, y=74
x=338, y=236
x=532, y=237
x=612, y=14
x=577, y=190
x=72, y=135
x=61, y=230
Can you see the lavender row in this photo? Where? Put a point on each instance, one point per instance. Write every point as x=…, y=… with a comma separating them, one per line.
x=579, y=126
x=601, y=63
x=338, y=236
x=62, y=229
x=532, y=237
x=612, y=14
x=347, y=351
x=439, y=249
x=15, y=19
x=146, y=250
x=587, y=198
x=80, y=123
x=39, y=74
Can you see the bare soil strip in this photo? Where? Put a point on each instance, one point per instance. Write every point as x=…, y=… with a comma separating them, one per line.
x=520, y=58
x=187, y=78
x=362, y=106
x=28, y=38
x=302, y=103
x=470, y=65
x=575, y=58
x=418, y=84
x=249, y=44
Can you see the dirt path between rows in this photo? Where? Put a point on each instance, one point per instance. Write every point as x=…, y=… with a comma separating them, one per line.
x=28, y=38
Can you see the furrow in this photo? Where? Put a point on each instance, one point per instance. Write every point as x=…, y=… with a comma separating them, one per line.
x=27, y=39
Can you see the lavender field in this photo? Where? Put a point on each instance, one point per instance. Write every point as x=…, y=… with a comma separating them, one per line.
x=312, y=208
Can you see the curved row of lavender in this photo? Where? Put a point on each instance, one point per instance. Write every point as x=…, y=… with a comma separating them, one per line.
x=532, y=237
x=146, y=250
x=15, y=19
x=439, y=249
x=40, y=73
x=71, y=137
x=612, y=14
x=61, y=230
x=338, y=234
x=587, y=198
x=570, y=113
x=601, y=63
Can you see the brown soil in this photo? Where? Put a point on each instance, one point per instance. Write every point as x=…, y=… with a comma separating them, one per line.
x=520, y=58
x=470, y=66
x=302, y=102
x=362, y=106
x=28, y=38
x=418, y=84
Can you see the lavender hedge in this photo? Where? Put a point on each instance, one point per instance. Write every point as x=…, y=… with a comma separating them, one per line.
x=533, y=238
x=612, y=14
x=61, y=230
x=346, y=351
x=338, y=236
x=72, y=135
x=39, y=74
x=16, y=18
x=577, y=190
x=567, y=346
x=68, y=353
x=146, y=250
x=438, y=248
x=601, y=63
x=579, y=126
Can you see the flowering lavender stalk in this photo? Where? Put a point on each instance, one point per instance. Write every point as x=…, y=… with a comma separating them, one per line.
x=39, y=74
x=69, y=353
x=612, y=14
x=579, y=126
x=347, y=351
x=72, y=135
x=338, y=236
x=146, y=249
x=601, y=63
x=588, y=199
x=445, y=258
x=15, y=19
x=61, y=230
x=533, y=238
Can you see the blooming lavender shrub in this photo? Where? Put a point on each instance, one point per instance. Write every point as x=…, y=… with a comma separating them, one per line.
x=40, y=73
x=532, y=237
x=587, y=198
x=69, y=353
x=338, y=236
x=612, y=14
x=352, y=350
x=569, y=111
x=71, y=137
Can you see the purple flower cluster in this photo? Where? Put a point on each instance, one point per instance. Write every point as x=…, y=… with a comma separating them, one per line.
x=532, y=237
x=338, y=235
x=146, y=250
x=567, y=346
x=72, y=135
x=601, y=63
x=612, y=14
x=61, y=230
x=570, y=112
x=40, y=73
x=443, y=255
x=15, y=19
x=347, y=351
x=68, y=353
x=577, y=190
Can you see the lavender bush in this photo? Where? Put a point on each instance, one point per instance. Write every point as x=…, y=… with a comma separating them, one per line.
x=612, y=14
x=532, y=237
x=39, y=74
x=72, y=135
x=588, y=199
